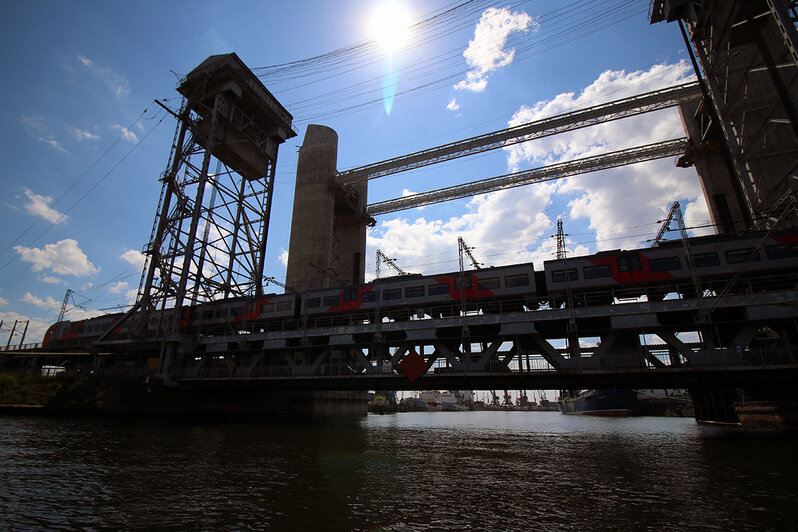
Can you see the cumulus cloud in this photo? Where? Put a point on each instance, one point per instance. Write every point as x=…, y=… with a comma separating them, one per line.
x=119, y=287
x=503, y=227
x=48, y=303
x=626, y=196
x=122, y=287
x=52, y=280
x=126, y=133
x=485, y=52
x=284, y=256
x=133, y=257
x=118, y=85
x=33, y=334
x=64, y=257
x=40, y=206
x=453, y=105
x=620, y=205
x=3, y=301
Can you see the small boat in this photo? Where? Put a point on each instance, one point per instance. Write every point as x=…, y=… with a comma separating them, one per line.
x=621, y=402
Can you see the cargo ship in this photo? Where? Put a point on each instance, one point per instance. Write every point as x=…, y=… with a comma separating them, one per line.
x=621, y=402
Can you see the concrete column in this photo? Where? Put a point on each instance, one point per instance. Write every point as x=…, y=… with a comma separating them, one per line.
x=717, y=182
x=314, y=210
x=349, y=237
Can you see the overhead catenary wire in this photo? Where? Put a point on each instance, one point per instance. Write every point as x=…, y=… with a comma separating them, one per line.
x=584, y=18
x=97, y=183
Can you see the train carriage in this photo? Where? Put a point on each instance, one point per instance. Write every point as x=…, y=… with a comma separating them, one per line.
x=506, y=288
x=599, y=278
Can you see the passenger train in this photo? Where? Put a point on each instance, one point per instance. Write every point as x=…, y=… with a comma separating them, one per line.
x=760, y=262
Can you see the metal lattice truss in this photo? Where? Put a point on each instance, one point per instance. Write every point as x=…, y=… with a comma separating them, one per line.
x=635, y=105
x=748, y=52
x=614, y=159
x=208, y=238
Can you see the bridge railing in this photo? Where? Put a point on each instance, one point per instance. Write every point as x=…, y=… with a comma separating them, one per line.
x=23, y=347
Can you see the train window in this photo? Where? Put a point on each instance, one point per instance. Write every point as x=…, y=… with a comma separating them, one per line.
x=738, y=256
x=221, y=313
x=488, y=284
x=330, y=301
x=629, y=263
x=207, y=315
x=414, y=291
x=392, y=293
x=350, y=294
x=521, y=279
x=312, y=302
x=558, y=276
x=438, y=289
x=267, y=307
x=782, y=251
x=282, y=306
x=367, y=297
x=665, y=264
x=462, y=282
x=704, y=260
x=597, y=272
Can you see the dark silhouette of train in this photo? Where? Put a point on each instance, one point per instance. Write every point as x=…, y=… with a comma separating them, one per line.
x=753, y=262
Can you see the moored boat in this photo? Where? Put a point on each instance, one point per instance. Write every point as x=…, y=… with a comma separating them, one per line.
x=619, y=402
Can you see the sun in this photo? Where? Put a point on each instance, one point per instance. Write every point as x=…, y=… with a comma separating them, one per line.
x=389, y=24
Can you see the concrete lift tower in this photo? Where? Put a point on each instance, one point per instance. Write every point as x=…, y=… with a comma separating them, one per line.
x=209, y=237
x=744, y=131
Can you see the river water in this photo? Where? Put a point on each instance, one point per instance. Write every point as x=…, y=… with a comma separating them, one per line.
x=401, y=472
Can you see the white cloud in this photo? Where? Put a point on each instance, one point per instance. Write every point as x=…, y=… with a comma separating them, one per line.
x=284, y=256
x=34, y=126
x=119, y=85
x=33, y=334
x=64, y=257
x=122, y=287
x=625, y=197
x=3, y=301
x=515, y=225
x=81, y=134
x=502, y=227
x=52, y=280
x=118, y=288
x=49, y=303
x=453, y=105
x=133, y=257
x=54, y=143
x=40, y=206
x=126, y=133
x=485, y=52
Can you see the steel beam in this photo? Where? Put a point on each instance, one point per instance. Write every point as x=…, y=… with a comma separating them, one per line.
x=598, y=114
x=614, y=159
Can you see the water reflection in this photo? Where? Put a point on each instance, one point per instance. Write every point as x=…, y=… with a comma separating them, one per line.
x=410, y=471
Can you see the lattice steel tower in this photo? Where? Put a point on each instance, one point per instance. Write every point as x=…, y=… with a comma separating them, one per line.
x=208, y=241
x=744, y=133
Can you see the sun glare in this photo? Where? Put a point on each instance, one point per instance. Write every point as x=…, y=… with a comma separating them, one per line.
x=389, y=25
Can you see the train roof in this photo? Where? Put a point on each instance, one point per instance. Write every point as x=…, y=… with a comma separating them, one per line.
x=417, y=276
x=668, y=244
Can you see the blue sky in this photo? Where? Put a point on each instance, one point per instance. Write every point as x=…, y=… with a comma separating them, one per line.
x=82, y=162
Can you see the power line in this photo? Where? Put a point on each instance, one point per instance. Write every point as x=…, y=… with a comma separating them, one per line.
x=89, y=191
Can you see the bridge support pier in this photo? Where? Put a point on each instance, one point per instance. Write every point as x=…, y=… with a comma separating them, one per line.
x=714, y=405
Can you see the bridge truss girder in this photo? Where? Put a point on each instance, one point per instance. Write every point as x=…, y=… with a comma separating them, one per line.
x=650, y=152
x=598, y=114
x=209, y=236
x=749, y=340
